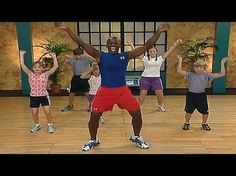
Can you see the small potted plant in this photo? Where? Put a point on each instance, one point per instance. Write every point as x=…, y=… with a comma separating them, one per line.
x=192, y=50
x=57, y=48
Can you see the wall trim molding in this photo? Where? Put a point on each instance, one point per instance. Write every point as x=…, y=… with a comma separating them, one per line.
x=135, y=91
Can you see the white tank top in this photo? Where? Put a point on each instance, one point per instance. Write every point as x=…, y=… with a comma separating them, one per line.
x=152, y=67
x=94, y=83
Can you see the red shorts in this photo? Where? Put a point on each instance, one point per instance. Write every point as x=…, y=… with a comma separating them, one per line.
x=106, y=97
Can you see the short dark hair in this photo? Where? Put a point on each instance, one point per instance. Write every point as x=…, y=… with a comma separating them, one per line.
x=78, y=51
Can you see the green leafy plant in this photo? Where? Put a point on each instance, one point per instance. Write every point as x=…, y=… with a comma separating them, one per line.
x=52, y=46
x=192, y=50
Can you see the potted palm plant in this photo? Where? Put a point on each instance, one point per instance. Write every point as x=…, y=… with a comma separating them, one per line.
x=192, y=50
x=57, y=48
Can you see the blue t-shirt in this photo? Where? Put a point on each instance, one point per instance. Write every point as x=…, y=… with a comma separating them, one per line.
x=113, y=69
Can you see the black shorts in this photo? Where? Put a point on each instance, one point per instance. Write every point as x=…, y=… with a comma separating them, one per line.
x=196, y=100
x=78, y=84
x=36, y=101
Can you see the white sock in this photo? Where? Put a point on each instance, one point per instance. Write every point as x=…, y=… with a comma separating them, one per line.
x=49, y=124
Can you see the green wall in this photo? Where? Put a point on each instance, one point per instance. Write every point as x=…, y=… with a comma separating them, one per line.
x=24, y=43
x=222, y=42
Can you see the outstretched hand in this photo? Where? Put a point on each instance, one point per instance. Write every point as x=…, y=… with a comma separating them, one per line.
x=224, y=60
x=164, y=27
x=53, y=55
x=60, y=25
x=22, y=52
x=177, y=42
x=180, y=58
x=128, y=42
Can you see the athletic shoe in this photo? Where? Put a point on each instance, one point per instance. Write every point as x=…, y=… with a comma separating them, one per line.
x=186, y=126
x=206, y=127
x=51, y=129
x=101, y=120
x=67, y=108
x=90, y=145
x=35, y=128
x=162, y=109
x=139, y=141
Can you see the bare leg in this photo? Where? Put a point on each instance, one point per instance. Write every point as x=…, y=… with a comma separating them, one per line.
x=136, y=121
x=204, y=118
x=187, y=117
x=159, y=96
x=205, y=126
x=48, y=114
x=71, y=98
x=137, y=126
x=94, y=124
x=87, y=96
x=35, y=113
x=142, y=96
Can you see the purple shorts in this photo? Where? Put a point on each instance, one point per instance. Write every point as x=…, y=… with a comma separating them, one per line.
x=91, y=97
x=150, y=83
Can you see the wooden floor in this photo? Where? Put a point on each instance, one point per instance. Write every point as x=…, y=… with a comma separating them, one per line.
x=162, y=130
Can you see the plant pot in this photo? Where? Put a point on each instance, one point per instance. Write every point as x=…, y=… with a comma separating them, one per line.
x=56, y=88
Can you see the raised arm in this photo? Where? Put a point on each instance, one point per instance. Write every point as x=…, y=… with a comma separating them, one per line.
x=92, y=59
x=150, y=42
x=88, y=48
x=22, y=63
x=179, y=67
x=55, y=65
x=177, y=42
x=222, y=69
x=132, y=48
x=130, y=44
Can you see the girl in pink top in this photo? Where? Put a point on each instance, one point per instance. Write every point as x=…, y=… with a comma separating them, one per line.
x=38, y=92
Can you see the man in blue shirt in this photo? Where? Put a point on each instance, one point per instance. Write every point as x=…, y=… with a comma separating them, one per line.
x=113, y=86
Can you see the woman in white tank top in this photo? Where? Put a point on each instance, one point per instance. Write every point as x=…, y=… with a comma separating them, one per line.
x=150, y=78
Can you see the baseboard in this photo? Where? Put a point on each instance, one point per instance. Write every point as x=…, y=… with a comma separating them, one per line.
x=134, y=90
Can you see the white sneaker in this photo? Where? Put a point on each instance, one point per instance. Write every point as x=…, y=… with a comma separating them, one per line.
x=51, y=129
x=162, y=109
x=101, y=120
x=141, y=108
x=139, y=141
x=90, y=145
x=35, y=128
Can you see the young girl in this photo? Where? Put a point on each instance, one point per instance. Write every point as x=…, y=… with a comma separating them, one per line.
x=150, y=78
x=38, y=92
x=94, y=76
x=196, y=97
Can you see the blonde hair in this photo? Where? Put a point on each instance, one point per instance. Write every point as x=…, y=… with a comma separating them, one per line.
x=200, y=62
x=95, y=66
